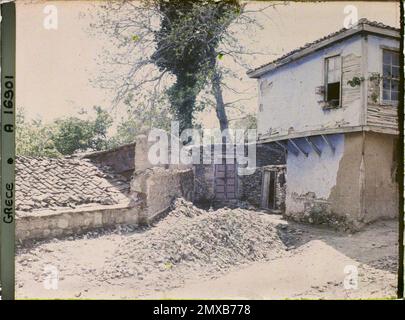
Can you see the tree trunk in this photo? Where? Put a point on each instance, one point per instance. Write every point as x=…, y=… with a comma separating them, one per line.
x=220, y=105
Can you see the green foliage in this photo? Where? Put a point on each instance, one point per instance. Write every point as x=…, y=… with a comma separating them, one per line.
x=74, y=134
x=355, y=81
x=63, y=136
x=34, y=138
x=187, y=42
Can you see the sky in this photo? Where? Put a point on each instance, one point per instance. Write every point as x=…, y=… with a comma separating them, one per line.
x=55, y=67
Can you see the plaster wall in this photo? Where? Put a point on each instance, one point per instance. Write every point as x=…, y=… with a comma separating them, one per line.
x=381, y=189
x=311, y=179
x=346, y=189
x=288, y=97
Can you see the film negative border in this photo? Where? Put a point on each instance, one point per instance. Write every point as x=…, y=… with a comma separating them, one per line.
x=7, y=222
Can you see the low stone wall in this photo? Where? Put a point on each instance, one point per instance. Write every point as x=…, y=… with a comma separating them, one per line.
x=152, y=191
x=159, y=187
x=121, y=159
x=48, y=223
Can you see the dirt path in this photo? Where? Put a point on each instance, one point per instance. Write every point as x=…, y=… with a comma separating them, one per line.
x=226, y=254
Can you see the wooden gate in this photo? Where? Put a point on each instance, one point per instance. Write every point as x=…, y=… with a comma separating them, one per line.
x=225, y=182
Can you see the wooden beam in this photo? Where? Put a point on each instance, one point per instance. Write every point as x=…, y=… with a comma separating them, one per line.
x=282, y=145
x=309, y=133
x=327, y=141
x=316, y=149
x=285, y=148
x=298, y=148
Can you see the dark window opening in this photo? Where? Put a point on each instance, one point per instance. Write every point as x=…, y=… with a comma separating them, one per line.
x=332, y=81
x=333, y=93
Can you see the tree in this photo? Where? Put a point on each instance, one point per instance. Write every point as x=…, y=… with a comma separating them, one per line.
x=74, y=134
x=63, y=136
x=172, y=46
x=33, y=138
x=187, y=46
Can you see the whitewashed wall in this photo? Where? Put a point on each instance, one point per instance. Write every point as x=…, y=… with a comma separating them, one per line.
x=288, y=99
x=375, y=54
x=312, y=174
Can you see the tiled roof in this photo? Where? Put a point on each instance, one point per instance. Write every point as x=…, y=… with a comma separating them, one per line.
x=279, y=61
x=56, y=183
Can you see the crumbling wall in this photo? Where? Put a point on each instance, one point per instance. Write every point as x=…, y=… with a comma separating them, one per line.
x=379, y=113
x=347, y=189
x=252, y=186
x=346, y=195
x=159, y=187
x=142, y=154
x=311, y=181
x=120, y=159
x=268, y=156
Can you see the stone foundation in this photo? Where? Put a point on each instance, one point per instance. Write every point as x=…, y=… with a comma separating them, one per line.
x=48, y=224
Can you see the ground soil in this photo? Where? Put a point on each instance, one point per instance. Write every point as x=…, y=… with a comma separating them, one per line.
x=227, y=253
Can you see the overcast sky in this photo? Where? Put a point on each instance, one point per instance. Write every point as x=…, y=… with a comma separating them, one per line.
x=54, y=67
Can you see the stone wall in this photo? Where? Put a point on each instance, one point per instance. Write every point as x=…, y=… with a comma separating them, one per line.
x=204, y=183
x=252, y=185
x=248, y=186
x=48, y=223
x=159, y=187
x=121, y=159
x=151, y=193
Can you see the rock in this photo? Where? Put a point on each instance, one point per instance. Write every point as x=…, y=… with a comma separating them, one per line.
x=189, y=237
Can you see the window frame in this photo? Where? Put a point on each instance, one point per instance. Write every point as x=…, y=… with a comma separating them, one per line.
x=325, y=78
x=382, y=100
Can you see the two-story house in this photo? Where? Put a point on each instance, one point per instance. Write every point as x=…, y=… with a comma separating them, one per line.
x=333, y=106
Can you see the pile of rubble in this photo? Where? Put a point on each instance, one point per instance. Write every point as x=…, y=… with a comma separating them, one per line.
x=53, y=183
x=190, y=238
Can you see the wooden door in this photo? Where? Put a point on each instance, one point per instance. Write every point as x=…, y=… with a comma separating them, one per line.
x=269, y=190
x=225, y=181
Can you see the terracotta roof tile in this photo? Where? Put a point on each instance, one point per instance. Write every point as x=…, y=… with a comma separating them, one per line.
x=54, y=183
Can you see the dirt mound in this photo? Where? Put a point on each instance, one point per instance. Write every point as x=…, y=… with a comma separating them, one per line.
x=190, y=237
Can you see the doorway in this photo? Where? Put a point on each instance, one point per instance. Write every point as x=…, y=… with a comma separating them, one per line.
x=225, y=182
x=269, y=190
